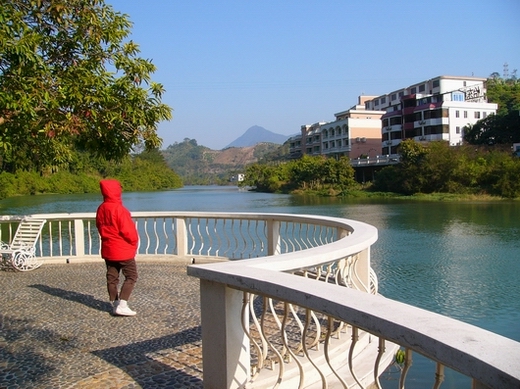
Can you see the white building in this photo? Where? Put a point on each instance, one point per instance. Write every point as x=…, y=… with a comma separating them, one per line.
x=435, y=109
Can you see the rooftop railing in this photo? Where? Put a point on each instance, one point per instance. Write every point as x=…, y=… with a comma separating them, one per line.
x=293, y=301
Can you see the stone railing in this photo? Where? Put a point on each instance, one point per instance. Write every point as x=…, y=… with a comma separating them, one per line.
x=287, y=304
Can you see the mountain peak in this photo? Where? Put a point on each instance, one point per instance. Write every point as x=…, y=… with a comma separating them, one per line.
x=257, y=134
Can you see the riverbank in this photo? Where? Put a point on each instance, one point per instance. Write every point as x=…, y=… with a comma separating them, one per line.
x=368, y=194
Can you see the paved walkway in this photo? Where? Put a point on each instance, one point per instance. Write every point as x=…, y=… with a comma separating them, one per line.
x=56, y=330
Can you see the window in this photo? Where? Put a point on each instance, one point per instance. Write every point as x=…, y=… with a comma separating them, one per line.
x=465, y=114
x=422, y=88
x=401, y=94
x=413, y=91
x=457, y=114
x=457, y=96
x=383, y=100
x=477, y=114
x=457, y=130
x=484, y=115
x=395, y=120
x=394, y=96
x=436, y=83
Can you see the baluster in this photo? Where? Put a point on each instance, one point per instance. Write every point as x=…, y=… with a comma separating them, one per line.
x=330, y=331
x=265, y=332
x=89, y=234
x=50, y=239
x=211, y=233
x=355, y=338
x=439, y=376
x=248, y=309
x=291, y=355
x=191, y=250
x=308, y=315
x=380, y=352
x=156, y=235
x=60, y=241
x=145, y=226
x=165, y=235
x=198, y=237
x=407, y=365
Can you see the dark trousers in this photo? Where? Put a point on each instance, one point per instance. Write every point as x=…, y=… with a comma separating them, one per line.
x=129, y=270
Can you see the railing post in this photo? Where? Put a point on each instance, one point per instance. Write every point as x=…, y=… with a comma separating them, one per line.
x=79, y=238
x=225, y=346
x=273, y=237
x=182, y=236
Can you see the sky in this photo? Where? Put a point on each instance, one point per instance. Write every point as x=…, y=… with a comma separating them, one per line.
x=227, y=65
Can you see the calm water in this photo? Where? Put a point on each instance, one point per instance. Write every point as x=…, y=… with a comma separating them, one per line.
x=458, y=259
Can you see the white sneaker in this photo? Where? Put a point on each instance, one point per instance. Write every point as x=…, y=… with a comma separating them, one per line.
x=122, y=309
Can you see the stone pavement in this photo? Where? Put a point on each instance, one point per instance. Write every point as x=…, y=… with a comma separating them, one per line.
x=56, y=330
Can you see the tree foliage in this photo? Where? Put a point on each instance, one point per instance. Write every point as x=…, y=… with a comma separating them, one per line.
x=458, y=170
x=70, y=80
x=504, y=92
x=495, y=129
x=308, y=173
x=146, y=171
x=504, y=126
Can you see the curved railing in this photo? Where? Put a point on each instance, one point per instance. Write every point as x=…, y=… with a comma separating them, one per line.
x=294, y=312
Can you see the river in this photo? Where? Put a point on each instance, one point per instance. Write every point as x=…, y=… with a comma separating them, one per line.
x=460, y=259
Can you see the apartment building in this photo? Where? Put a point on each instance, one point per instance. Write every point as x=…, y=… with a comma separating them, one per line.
x=435, y=109
x=431, y=110
x=354, y=133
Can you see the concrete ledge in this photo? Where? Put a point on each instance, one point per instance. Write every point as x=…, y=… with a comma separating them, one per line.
x=188, y=260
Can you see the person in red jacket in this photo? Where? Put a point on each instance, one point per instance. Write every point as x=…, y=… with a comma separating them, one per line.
x=119, y=240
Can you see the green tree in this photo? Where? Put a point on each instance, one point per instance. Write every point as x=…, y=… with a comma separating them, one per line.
x=505, y=93
x=495, y=129
x=70, y=79
x=445, y=169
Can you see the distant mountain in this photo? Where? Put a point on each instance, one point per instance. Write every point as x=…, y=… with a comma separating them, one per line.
x=199, y=165
x=255, y=135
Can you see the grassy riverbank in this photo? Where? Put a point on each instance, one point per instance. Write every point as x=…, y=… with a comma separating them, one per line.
x=367, y=193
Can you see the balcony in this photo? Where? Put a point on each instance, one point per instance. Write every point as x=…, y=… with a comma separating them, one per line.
x=291, y=300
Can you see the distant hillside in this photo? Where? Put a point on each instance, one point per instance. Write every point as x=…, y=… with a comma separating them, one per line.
x=199, y=165
x=257, y=134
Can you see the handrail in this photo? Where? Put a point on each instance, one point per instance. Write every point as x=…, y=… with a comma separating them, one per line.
x=286, y=255
x=490, y=359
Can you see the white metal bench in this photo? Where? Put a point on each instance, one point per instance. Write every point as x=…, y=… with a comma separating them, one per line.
x=20, y=253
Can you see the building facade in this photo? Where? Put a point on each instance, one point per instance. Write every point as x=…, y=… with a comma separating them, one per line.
x=431, y=110
x=354, y=133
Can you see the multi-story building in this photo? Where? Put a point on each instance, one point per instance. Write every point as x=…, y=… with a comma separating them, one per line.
x=356, y=132
x=435, y=109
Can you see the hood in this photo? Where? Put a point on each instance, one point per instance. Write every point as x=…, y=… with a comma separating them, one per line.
x=111, y=190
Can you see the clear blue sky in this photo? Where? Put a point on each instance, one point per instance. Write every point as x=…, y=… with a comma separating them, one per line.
x=227, y=65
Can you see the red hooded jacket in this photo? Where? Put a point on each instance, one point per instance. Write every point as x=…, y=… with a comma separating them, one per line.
x=115, y=225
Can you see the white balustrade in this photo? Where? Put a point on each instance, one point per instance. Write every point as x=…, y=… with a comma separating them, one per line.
x=293, y=302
